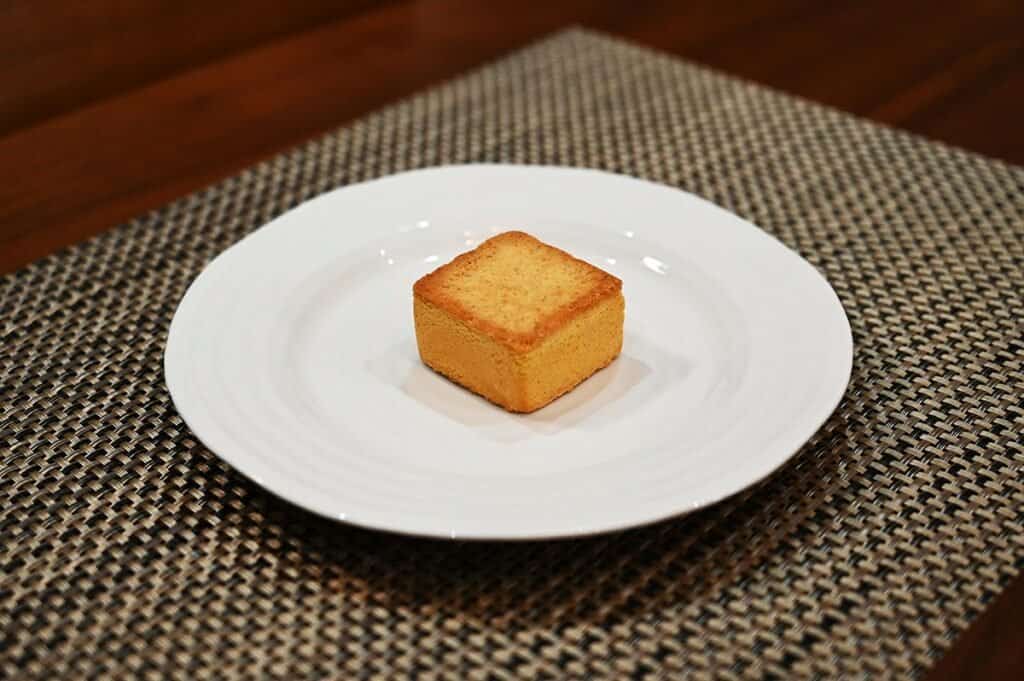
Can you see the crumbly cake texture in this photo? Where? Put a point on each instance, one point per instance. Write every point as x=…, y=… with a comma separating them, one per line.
x=517, y=321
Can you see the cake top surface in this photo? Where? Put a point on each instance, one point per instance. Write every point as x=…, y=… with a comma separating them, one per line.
x=516, y=289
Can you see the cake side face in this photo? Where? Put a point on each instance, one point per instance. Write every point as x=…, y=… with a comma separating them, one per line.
x=569, y=356
x=516, y=289
x=468, y=357
x=515, y=381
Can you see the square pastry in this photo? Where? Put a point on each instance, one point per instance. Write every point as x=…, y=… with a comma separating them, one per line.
x=518, y=321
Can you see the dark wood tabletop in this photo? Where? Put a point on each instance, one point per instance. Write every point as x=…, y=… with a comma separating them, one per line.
x=110, y=108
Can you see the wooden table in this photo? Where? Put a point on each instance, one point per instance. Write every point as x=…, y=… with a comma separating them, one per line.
x=108, y=108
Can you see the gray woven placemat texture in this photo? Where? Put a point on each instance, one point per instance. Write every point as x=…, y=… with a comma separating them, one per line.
x=128, y=550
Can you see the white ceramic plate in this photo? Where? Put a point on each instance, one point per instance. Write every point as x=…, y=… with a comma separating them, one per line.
x=293, y=357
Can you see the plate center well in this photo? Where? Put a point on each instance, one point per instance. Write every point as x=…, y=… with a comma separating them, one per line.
x=351, y=358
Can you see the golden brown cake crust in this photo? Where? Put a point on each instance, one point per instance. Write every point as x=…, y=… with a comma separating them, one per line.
x=599, y=286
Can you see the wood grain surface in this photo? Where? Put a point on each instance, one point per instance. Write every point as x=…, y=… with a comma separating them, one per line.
x=110, y=108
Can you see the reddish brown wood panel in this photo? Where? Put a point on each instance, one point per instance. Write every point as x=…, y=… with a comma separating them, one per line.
x=992, y=649
x=57, y=55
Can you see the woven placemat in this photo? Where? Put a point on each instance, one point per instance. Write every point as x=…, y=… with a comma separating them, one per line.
x=129, y=550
